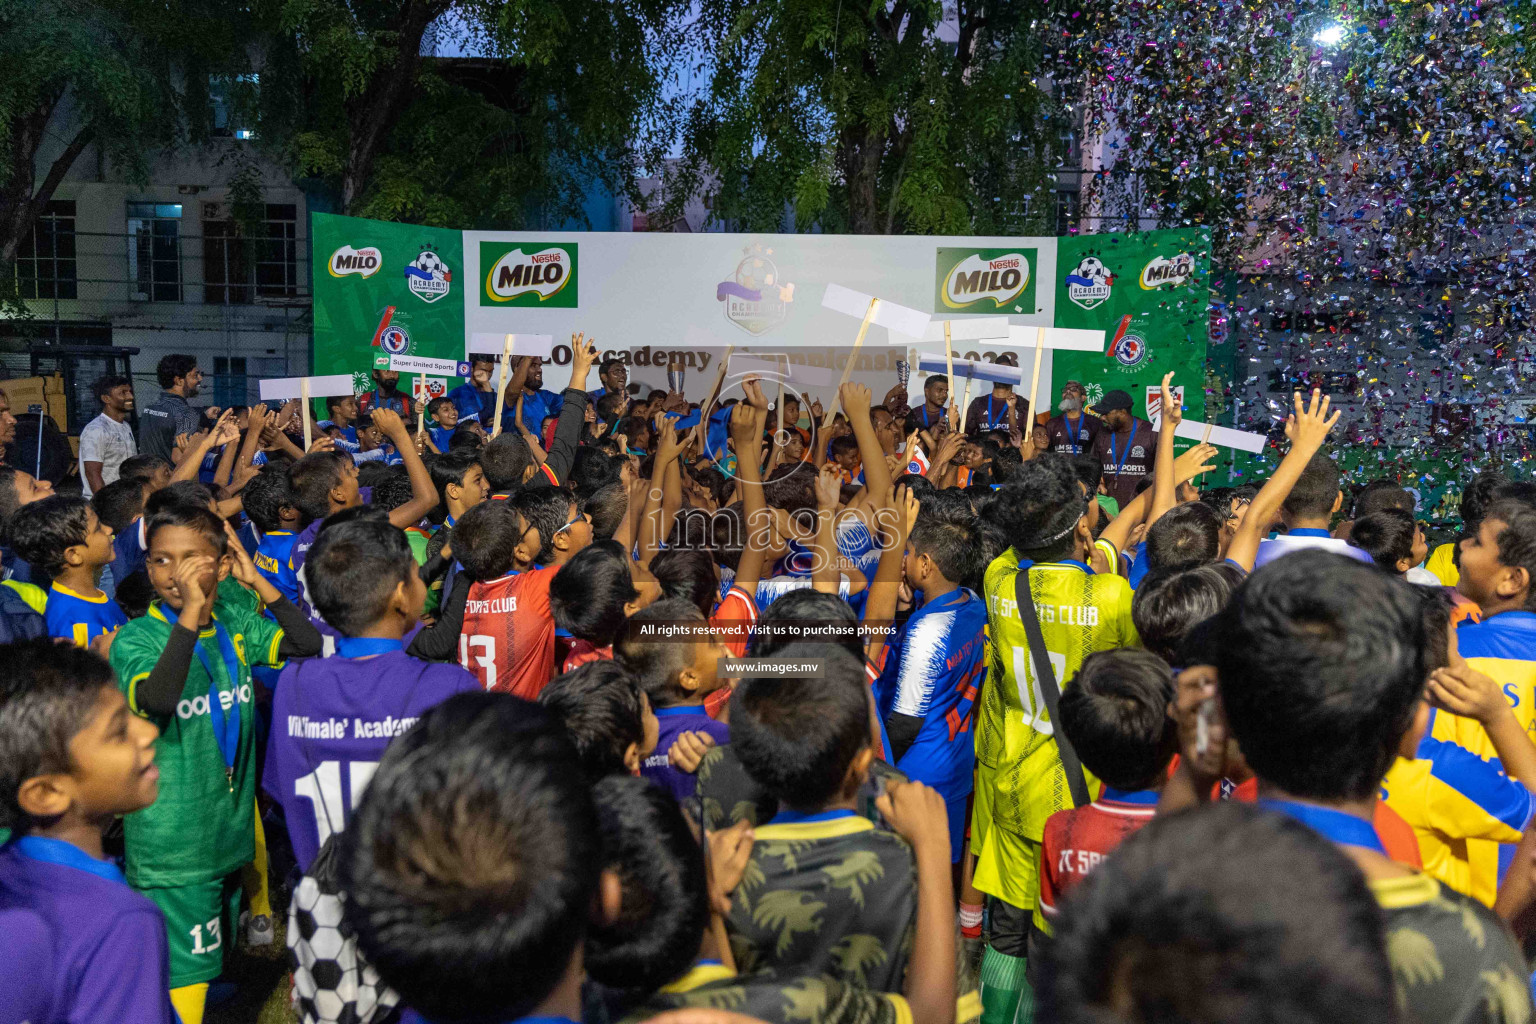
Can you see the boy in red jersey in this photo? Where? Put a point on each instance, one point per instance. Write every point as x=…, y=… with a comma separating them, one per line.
x=1115, y=712
x=512, y=550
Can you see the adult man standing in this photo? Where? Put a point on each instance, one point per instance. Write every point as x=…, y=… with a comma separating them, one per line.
x=995, y=411
x=1073, y=432
x=613, y=375
x=386, y=395
x=170, y=414
x=107, y=440
x=475, y=399
x=935, y=395
x=1125, y=446
x=538, y=404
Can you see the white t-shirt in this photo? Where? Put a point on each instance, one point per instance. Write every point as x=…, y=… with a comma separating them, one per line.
x=108, y=442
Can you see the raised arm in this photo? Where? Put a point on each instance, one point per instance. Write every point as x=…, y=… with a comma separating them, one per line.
x=1308, y=428
x=424, y=496
x=897, y=514
x=824, y=564
x=1164, y=490
x=223, y=432
x=856, y=406
x=747, y=422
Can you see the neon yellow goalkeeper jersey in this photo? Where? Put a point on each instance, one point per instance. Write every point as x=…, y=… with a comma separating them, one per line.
x=1079, y=613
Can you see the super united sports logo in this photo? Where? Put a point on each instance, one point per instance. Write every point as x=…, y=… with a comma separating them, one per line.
x=1130, y=350
x=395, y=340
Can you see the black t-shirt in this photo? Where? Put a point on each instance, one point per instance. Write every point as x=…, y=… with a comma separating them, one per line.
x=980, y=417
x=1127, y=457
x=1073, y=438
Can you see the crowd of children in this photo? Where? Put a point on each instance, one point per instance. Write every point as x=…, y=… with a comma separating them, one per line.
x=621, y=708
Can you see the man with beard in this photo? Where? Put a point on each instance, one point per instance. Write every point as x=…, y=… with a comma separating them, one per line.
x=170, y=414
x=1074, y=431
x=386, y=395
x=1124, y=445
x=107, y=440
x=538, y=404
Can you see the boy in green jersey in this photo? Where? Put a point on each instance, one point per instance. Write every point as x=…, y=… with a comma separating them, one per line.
x=186, y=666
x=1020, y=781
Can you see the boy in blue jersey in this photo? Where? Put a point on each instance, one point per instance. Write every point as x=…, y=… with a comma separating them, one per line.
x=63, y=540
x=333, y=717
x=934, y=666
x=270, y=504
x=72, y=760
x=445, y=415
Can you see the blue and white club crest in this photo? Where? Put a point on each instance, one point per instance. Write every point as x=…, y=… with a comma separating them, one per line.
x=1131, y=350
x=395, y=340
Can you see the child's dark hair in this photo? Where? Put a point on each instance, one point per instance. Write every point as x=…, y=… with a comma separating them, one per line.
x=602, y=708
x=505, y=460
x=265, y=497
x=1215, y=916
x=805, y=616
x=314, y=477
x=587, y=596
x=485, y=540
x=141, y=467
x=664, y=907
x=374, y=472
x=1039, y=507
x=42, y=530
x=333, y=401
x=1171, y=602
x=436, y=404
x=1476, y=497
x=1184, y=536
x=1386, y=535
x=689, y=574
x=183, y=492
x=843, y=444
x=797, y=736
x=955, y=548
x=464, y=439
x=472, y=860
x=545, y=509
x=1088, y=470
x=658, y=660
x=1321, y=663
x=48, y=692
x=607, y=507
x=121, y=501
x=1316, y=490
x=134, y=594
x=1517, y=541
x=593, y=469
x=196, y=518
x=1380, y=494
x=353, y=570
x=393, y=490
x=1115, y=713
x=450, y=469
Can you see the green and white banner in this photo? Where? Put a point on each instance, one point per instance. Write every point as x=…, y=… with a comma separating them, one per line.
x=384, y=289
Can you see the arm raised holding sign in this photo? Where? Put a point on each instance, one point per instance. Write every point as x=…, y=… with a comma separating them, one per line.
x=424, y=495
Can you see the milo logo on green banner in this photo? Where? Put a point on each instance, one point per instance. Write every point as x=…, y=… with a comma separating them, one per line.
x=985, y=281
x=529, y=274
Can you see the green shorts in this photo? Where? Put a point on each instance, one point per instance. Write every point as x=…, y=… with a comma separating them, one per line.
x=200, y=923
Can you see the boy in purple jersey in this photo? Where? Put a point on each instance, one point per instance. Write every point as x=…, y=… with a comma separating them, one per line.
x=72, y=758
x=333, y=717
x=677, y=672
x=325, y=482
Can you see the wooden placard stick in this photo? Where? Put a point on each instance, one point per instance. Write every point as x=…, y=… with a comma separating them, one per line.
x=304, y=406
x=501, y=386
x=1034, y=379
x=858, y=343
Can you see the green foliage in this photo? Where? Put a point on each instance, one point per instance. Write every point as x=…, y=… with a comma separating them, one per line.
x=869, y=117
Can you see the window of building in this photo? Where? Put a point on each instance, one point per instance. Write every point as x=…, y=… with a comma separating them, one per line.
x=154, y=251
x=45, y=261
x=233, y=99
x=1068, y=211
x=229, y=381
x=238, y=269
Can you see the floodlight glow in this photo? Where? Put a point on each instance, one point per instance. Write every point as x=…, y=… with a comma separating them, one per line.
x=1333, y=35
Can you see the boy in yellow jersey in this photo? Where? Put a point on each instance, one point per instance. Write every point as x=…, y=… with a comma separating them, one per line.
x=1020, y=781
x=1498, y=572
x=1458, y=803
x=1475, y=500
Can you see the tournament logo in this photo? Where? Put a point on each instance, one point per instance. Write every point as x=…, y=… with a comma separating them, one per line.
x=990, y=279
x=756, y=298
x=529, y=275
x=1090, y=284
x=364, y=262
x=395, y=340
x=1130, y=350
x=427, y=276
x=1174, y=273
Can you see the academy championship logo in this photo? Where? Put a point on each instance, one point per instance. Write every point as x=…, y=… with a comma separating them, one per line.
x=1174, y=273
x=364, y=262
x=756, y=298
x=1090, y=284
x=984, y=280
x=1130, y=350
x=427, y=276
x=524, y=274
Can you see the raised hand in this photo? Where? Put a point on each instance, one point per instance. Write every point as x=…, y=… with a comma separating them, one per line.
x=1172, y=414
x=1309, y=425
x=1190, y=464
x=583, y=355
x=244, y=569
x=729, y=851
x=393, y=427
x=829, y=486
x=855, y=398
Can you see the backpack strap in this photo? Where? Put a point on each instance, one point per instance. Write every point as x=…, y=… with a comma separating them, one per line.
x=1077, y=784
